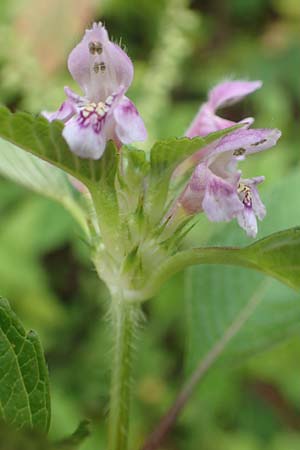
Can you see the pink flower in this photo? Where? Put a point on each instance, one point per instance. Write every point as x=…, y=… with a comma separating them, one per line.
x=216, y=186
x=104, y=72
x=224, y=94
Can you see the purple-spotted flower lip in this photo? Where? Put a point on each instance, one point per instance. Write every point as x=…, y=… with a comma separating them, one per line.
x=104, y=72
x=216, y=186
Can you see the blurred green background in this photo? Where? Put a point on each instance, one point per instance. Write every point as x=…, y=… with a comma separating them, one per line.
x=180, y=49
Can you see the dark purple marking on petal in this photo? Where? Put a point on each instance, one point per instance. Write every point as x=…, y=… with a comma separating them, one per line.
x=262, y=141
x=129, y=107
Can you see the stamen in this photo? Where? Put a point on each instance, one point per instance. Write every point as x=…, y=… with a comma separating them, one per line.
x=100, y=109
x=245, y=194
x=89, y=108
x=92, y=48
x=85, y=113
x=101, y=112
x=93, y=114
x=239, y=152
x=96, y=67
x=99, y=66
x=99, y=48
x=95, y=47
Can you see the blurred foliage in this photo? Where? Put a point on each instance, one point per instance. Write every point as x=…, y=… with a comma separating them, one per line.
x=44, y=265
x=28, y=439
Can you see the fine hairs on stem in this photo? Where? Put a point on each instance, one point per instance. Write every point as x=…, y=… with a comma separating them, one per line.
x=126, y=319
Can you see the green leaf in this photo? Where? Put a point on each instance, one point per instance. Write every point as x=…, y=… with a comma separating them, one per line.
x=24, y=385
x=41, y=177
x=33, y=173
x=234, y=312
x=165, y=156
x=44, y=139
x=277, y=255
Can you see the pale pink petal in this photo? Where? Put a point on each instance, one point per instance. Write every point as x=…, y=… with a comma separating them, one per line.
x=206, y=121
x=129, y=124
x=247, y=220
x=64, y=113
x=74, y=98
x=221, y=202
x=84, y=142
x=88, y=132
x=244, y=141
x=229, y=92
x=99, y=66
x=192, y=197
x=191, y=201
x=216, y=196
x=257, y=205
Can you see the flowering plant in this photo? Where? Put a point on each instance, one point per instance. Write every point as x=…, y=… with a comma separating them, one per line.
x=136, y=209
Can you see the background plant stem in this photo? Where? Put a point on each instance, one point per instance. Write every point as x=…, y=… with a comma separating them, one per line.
x=125, y=320
x=172, y=48
x=156, y=438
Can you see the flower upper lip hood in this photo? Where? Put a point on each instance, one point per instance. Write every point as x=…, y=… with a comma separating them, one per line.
x=99, y=66
x=224, y=94
x=104, y=72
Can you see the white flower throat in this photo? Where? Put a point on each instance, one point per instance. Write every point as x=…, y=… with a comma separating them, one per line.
x=94, y=113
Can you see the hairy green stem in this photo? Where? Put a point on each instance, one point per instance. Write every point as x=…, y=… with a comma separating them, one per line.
x=125, y=320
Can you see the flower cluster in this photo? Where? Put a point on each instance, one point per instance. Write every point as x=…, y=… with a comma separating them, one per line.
x=216, y=186
x=104, y=72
